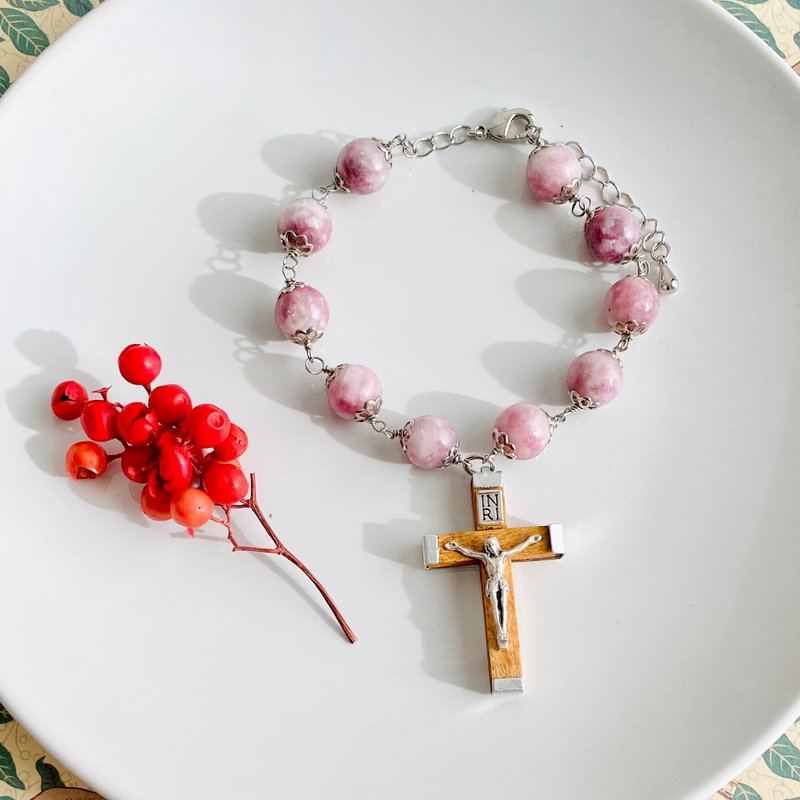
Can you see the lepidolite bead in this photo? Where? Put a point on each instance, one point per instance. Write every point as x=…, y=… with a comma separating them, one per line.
x=428, y=441
x=353, y=390
x=309, y=218
x=611, y=232
x=302, y=313
x=363, y=166
x=632, y=299
x=596, y=376
x=550, y=169
x=527, y=428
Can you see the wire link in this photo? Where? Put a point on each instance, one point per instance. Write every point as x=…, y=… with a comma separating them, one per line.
x=380, y=426
x=289, y=267
x=321, y=193
x=654, y=239
x=435, y=142
x=315, y=365
x=622, y=345
x=475, y=463
x=514, y=126
x=561, y=417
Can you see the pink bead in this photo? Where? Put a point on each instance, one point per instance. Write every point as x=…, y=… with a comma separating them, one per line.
x=611, y=232
x=306, y=217
x=428, y=441
x=363, y=166
x=354, y=392
x=632, y=299
x=596, y=376
x=302, y=313
x=550, y=169
x=527, y=428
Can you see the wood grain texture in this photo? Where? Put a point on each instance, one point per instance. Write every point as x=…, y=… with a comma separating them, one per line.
x=507, y=663
x=508, y=538
x=502, y=663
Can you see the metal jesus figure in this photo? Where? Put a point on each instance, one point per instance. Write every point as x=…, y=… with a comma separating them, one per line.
x=494, y=560
x=494, y=547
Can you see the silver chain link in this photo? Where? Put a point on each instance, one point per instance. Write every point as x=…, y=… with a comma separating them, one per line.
x=380, y=425
x=514, y=126
x=289, y=267
x=475, y=462
x=315, y=365
x=435, y=142
x=561, y=417
x=622, y=345
x=320, y=193
x=654, y=239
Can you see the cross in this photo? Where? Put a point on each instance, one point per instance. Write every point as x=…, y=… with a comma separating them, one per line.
x=494, y=546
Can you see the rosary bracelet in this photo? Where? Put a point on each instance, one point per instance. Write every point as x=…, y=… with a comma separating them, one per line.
x=616, y=231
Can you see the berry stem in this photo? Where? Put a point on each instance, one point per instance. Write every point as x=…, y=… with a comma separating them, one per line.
x=281, y=550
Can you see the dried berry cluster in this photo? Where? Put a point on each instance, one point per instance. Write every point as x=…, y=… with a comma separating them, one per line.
x=186, y=457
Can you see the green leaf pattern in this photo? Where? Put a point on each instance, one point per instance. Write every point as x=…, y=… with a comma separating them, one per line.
x=745, y=792
x=32, y=5
x=8, y=770
x=783, y=758
x=78, y=7
x=26, y=35
x=51, y=778
x=26, y=24
x=750, y=20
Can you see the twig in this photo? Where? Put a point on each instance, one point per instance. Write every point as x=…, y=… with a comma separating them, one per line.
x=279, y=549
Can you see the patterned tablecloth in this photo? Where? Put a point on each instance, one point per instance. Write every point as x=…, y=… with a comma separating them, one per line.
x=26, y=771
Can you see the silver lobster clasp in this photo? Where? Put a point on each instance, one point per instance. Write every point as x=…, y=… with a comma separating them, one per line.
x=511, y=125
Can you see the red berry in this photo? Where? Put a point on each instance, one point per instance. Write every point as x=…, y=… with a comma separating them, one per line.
x=225, y=483
x=170, y=403
x=85, y=460
x=154, y=483
x=136, y=424
x=175, y=467
x=99, y=420
x=234, y=445
x=211, y=458
x=68, y=400
x=156, y=505
x=208, y=425
x=166, y=437
x=139, y=364
x=191, y=507
x=136, y=463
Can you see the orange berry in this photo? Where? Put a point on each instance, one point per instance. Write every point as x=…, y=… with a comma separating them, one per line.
x=191, y=507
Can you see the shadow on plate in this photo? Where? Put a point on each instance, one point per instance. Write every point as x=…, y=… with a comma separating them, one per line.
x=56, y=359
x=445, y=607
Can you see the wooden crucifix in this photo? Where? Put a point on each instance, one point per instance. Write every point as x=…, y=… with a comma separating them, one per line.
x=494, y=546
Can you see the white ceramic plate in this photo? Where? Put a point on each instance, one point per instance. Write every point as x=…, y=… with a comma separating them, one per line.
x=143, y=161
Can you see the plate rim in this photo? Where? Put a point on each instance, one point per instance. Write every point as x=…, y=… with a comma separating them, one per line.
x=54, y=744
